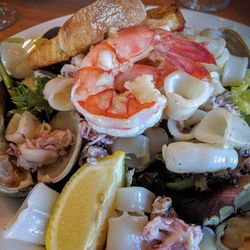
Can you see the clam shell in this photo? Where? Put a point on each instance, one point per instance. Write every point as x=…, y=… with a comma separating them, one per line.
x=57, y=171
x=19, y=183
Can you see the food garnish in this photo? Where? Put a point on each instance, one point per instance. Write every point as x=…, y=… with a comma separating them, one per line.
x=85, y=204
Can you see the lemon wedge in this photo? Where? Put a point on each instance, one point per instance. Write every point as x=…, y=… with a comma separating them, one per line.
x=80, y=217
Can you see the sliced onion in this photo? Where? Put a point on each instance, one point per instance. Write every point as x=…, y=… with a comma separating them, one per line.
x=125, y=232
x=134, y=199
x=234, y=70
x=158, y=137
x=137, y=149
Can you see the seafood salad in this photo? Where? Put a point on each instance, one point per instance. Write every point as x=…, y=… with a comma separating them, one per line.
x=176, y=102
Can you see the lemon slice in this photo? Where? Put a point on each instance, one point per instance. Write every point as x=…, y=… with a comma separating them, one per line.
x=80, y=217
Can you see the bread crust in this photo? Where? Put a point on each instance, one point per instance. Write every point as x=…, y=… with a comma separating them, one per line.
x=167, y=16
x=47, y=54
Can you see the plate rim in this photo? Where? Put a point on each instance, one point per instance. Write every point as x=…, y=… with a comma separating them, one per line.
x=185, y=11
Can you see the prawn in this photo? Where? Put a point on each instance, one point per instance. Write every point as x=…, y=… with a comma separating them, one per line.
x=111, y=98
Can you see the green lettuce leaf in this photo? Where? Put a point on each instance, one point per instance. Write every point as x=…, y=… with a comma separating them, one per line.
x=241, y=93
x=33, y=101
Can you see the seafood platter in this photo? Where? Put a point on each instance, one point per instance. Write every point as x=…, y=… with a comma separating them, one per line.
x=125, y=128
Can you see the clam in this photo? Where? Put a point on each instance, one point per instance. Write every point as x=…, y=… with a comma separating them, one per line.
x=16, y=181
x=21, y=127
x=234, y=233
x=13, y=181
x=57, y=171
x=237, y=44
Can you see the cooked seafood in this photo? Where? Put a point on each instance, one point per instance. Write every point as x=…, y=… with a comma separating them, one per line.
x=185, y=94
x=96, y=143
x=134, y=199
x=125, y=232
x=33, y=216
x=21, y=127
x=234, y=70
x=132, y=89
x=184, y=130
x=188, y=157
x=221, y=127
x=70, y=143
x=136, y=148
x=51, y=148
x=121, y=114
x=171, y=233
x=13, y=181
x=14, y=58
x=57, y=92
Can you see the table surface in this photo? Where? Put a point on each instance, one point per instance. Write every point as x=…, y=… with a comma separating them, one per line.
x=32, y=12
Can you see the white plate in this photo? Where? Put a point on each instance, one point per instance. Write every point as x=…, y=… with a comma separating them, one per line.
x=196, y=20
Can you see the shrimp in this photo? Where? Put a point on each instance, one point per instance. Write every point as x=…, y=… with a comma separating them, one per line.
x=165, y=233
x=111, y=98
